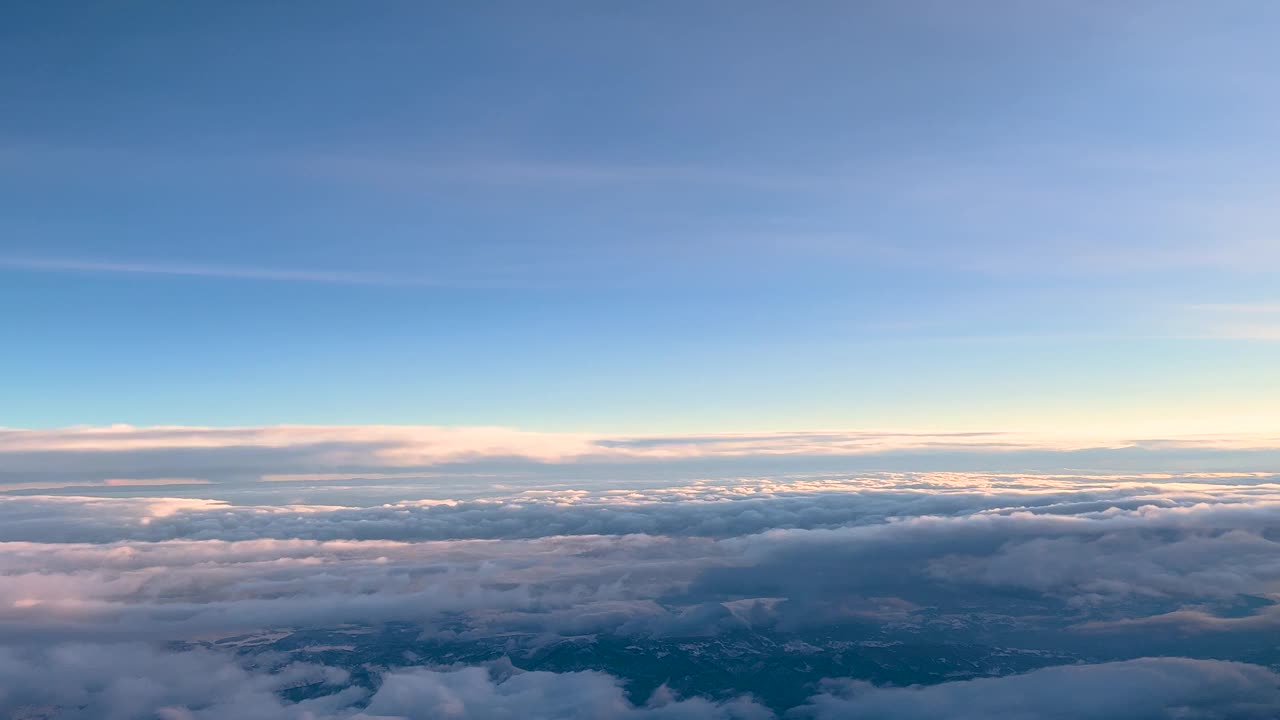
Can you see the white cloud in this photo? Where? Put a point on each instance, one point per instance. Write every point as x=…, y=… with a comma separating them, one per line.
x=127, y=681
x=1154, y=688
x=231, y=272
x=611, y=560
x=473, y=694
x=906, y=556
x=92, y=454
x=85, y=681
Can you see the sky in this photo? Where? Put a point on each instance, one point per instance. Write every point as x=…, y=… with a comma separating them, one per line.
x=697, y=360
x=654, y=218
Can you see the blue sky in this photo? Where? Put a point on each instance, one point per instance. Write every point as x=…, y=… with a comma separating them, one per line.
x=660, y=217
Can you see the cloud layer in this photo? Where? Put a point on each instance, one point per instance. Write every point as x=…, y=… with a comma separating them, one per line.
x=120, y=682
x=823, y=596
x=76, y=456
x=1130, y=690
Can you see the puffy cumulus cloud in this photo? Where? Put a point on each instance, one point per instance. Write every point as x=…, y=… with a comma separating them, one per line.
x=91, y=454
x=1123, y=563
x=1215, y=560
x=130, y=681
x=125, y=682
x=1141, y=689
x=475, y=694
x=706, y=508
x=987, y=567
x=663, y=561
x=180, y=589
x=97, y=520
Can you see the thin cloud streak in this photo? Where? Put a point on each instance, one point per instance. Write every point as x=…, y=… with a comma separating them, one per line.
x=1237, y=321
x=396, y=449
x=231, y=272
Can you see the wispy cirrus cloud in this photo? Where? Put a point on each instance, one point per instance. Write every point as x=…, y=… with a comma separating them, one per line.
x=1237, y=321
x=107, y=483
x=231, y=272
